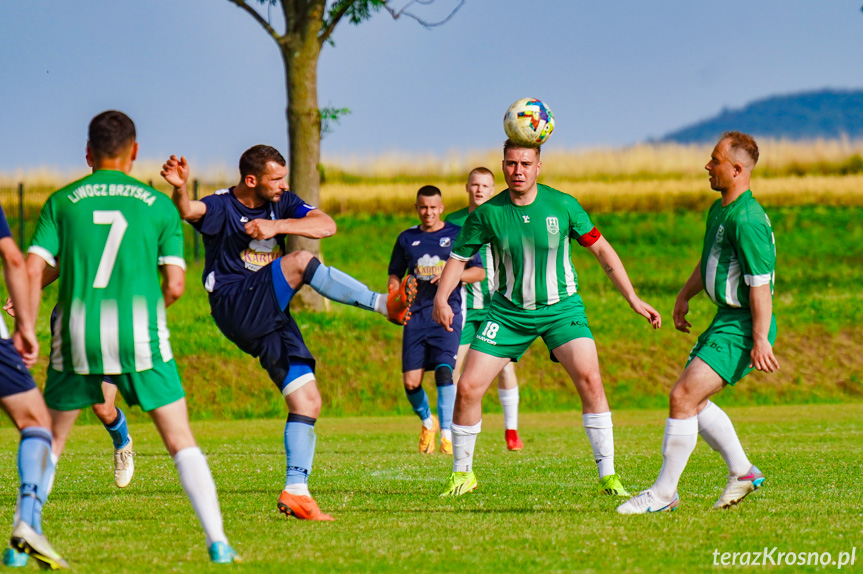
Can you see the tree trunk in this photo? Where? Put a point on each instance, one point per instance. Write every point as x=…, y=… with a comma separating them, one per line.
x=304, y=135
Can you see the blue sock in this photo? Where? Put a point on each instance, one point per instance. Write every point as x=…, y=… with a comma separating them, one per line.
x=34, y=470
x=419, y=401
x=118, y=430
x=445, y=395
x=299, y=448
x=338, y=286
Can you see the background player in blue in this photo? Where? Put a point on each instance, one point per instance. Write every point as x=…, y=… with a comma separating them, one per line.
x=423, y=251
x=23, y=402
x=251, y=282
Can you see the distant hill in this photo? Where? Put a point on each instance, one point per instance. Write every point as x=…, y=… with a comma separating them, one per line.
x=824, y=114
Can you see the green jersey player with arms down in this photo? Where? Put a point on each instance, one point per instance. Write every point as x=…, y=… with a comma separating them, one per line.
x=529, y=227
x=736, y=271
x=476, y=297
x=111, y=237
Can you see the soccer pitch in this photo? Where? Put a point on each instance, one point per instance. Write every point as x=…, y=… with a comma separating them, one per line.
x=535, y=511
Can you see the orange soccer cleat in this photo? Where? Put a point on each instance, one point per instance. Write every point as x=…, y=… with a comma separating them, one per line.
x=399, y=300
x=300, y=506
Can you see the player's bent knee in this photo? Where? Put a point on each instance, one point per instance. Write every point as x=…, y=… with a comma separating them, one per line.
x=297, y=384
x=443, y=376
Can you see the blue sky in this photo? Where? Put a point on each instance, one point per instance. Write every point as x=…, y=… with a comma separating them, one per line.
x=200, y=78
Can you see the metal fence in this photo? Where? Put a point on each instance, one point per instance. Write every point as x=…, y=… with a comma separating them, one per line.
x=23, y=202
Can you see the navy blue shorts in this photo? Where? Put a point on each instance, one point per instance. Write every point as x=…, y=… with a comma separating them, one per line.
x=14, y=376
x=426, y=345
x=247, y=312
x=105, y=378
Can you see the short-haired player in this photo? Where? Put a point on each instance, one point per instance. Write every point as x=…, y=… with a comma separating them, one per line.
x=529, y=227
x=476, y=298
x=419, y=255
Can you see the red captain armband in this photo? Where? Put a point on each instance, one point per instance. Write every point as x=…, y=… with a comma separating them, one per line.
x=589, y=238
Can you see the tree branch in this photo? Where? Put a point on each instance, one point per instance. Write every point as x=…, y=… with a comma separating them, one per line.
x=336, y=14
x=427, y=25
x=258, y=18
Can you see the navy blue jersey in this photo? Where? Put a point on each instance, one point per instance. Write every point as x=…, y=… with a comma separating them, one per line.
x=4, y=225
x=4, y=232
x=230, y=253
x=424, y=254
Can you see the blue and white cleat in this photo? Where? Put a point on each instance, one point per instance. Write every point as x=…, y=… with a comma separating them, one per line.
x=738, y=487
x=647, y=502
x=14, y=559
x=222, y=553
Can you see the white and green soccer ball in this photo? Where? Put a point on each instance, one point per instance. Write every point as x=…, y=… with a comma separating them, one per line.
x=528, y=122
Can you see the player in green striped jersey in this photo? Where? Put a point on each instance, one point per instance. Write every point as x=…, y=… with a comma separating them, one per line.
x=529, y=227
x=476, y=298
x=112, y=236
x=736, y=271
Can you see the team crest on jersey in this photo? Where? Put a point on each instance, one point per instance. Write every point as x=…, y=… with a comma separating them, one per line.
x=552, y=225
x=260, y=253
x=720, y=233
x=445, y=241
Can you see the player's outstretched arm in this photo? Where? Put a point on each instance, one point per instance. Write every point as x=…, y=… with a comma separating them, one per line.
x=449, y=280
x=762, y=316
x=315, y=225
x=173, y=283
x=693, y=286
x=613, y=267
x=176, y=172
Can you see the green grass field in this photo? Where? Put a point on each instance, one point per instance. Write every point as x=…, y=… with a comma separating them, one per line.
x=534, y=511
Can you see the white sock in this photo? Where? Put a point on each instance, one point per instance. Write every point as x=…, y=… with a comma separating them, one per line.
x=464, y=445
x=381, y=304
x=601, y=436
x=428, y=423
x=716, y=429
x=299, y=489
x=54, y=460
x=509, y=402
x=677, y=444
x=446, y=433
x=199, y=486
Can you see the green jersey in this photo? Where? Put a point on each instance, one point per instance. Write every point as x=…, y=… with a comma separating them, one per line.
x=109, y=233
x=530, y=245
x=739, y=252
x=476, y=296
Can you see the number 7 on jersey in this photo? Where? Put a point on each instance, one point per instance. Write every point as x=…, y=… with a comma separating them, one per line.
x=115, y=236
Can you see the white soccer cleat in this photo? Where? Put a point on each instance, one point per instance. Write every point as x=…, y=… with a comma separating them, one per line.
x=124, y=465
x=648, y=502
x=738, y=487
x=25, y=539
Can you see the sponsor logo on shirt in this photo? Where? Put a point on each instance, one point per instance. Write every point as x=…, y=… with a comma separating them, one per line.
x=260, y=253
x=552, y=225
x=428, y=267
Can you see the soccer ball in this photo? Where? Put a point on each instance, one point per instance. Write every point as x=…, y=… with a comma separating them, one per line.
x=528, y=122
